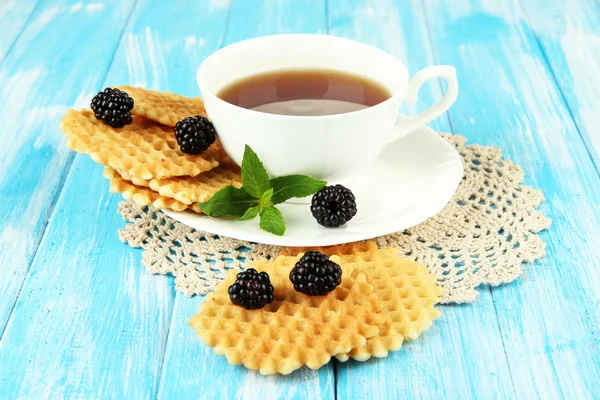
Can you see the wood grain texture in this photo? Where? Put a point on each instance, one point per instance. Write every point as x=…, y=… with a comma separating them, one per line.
x=14, y=15
x=549, y=317
x=119, y=319
x=569, y=34
x=191, y=369
x=425, y=368
x=41, y=77
x=90, y=323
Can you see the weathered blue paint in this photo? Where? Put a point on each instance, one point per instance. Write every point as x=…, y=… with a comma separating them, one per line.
x=549, y=317
x=14, y=16
x=569, y=34
x=60, y=58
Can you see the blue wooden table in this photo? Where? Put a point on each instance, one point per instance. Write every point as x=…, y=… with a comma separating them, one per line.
x=81, y=318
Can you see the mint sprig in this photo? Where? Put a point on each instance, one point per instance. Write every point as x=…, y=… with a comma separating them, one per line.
x=286, y=187
x=250, y=213
x=229, y=201
x=259, y=195
x=254, y=175
x=272, y=221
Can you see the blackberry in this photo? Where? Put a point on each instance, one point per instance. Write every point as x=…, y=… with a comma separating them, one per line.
x=315, y=274
x=251, y=289
x=113, y=107
x=195, y=134
x=333, y=206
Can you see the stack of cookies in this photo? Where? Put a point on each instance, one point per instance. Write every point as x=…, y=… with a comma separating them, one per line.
x=143, y=159
x=382, y=300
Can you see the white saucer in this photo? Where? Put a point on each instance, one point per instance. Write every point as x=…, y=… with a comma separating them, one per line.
x=411, y=181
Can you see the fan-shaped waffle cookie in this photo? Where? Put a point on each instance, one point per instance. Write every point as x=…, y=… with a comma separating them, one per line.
x=144, y=196
x=406, y=289
x=200, y=188
x=294, y=330
x=164, y=107
x=142, y=149
x=188, y=189
x=191, y=189
x=136, y=181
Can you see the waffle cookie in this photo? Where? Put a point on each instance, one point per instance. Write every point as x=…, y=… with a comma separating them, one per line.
x=199, y=188
x=143, y=149
x=296, y=329
x=164, y=107
x=136, y=181
x=407, y=291
x=190, y=190
x=144, y=196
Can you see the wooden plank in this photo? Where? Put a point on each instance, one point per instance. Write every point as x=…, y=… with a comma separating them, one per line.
x=14, y=15
x=251, y=18
x=191, y=369
x=165, y=44
x=92, y=323
x=569, y=34
x=461, y=356
x=467, y=338
x=41, y=77
x=549, y=318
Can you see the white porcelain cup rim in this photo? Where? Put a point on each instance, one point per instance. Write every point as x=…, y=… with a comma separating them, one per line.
x=238, y=126
x=212, y=93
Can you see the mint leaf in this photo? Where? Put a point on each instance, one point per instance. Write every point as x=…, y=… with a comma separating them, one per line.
x=286, y=187
x=259, y=195
x=265, y=199
x=271, y=220
x=255, y=179
x=229, y=201
x=250, y=213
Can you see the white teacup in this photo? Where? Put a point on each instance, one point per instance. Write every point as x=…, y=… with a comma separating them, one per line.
x=327, y=147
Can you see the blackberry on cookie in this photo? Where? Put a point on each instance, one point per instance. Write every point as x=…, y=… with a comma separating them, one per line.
x=195, y=134
x=315, y=274
x=251, y=289
x=113, y=107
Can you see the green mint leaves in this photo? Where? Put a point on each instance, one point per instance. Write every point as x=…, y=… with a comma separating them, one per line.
x=286, y=187
x=254, y=175
x=271, y=220
x=259, y=195
x=229, y=201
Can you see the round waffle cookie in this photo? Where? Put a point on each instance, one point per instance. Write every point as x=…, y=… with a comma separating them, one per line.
x=164, y=107
x=192, y=189
x=143, y=149
x=144, y=196
x=295, y=329
x=406, y=289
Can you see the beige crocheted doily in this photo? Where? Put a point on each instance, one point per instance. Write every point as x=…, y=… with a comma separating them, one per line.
x=482, y=236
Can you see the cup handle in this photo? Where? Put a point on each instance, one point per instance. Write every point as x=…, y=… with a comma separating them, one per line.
x=412, y=91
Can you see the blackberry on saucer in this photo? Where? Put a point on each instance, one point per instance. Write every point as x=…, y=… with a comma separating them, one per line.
x=195, y=134
x=315, y=274
x=333, y=206
x=113, y=107
x=251, y=289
